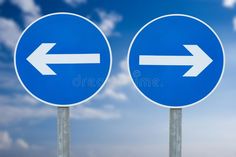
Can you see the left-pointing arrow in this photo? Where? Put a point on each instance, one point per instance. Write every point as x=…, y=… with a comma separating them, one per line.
x=40, y=59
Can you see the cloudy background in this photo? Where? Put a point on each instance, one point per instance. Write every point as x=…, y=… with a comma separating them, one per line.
x=118, y=121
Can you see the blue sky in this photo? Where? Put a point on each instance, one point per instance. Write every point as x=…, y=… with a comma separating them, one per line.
x=118, y=121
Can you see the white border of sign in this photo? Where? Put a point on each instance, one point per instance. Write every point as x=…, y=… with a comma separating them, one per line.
x=63, y=105
x=161, y=17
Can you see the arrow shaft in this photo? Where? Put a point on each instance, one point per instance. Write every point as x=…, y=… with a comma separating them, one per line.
x=166, y=60
x=72, y=58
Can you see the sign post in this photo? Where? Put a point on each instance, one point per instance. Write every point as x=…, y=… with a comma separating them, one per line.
x=175, y=134
x=63, y=126
x=63, y=60
x=180, y=62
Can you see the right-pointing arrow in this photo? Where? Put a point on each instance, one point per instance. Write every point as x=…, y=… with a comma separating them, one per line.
x=199, y=60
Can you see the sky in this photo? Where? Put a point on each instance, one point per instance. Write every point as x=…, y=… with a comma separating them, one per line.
x=118, y=121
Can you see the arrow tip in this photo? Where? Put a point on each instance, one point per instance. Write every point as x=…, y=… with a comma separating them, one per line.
x=200, y=59
x=37, y=59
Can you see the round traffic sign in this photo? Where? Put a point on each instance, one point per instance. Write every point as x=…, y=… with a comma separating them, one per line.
x=63, y=59
x=176, y=60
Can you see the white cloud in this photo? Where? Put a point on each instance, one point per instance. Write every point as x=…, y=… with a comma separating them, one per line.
x=9, y=29
x=10, y=33
x=8, y=81
x=21, y=143
x=106, y=112
x=74, y=3
x=31, y=11
x=116, y=82
x=27, y=99
x=4, y=66
x=16, y=99
x=5, y=140
x=13, y=114
x=29, y=18
x=229, y=3
x=108, y=22
x=18, y=108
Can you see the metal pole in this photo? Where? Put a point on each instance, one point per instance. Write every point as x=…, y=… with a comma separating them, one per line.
x=63, y=126
x=175, y=139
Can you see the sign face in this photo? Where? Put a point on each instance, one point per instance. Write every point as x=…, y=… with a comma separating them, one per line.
x=176, y=60
x=63, y=59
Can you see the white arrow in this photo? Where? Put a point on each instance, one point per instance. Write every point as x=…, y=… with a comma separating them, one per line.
x=199, y=60
x=40, y=59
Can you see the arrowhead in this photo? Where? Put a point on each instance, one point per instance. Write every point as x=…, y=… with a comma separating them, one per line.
x=38, y=59
x=200, y=60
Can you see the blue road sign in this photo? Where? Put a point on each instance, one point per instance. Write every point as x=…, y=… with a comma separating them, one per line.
x=63, y=59
x=176, y=60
